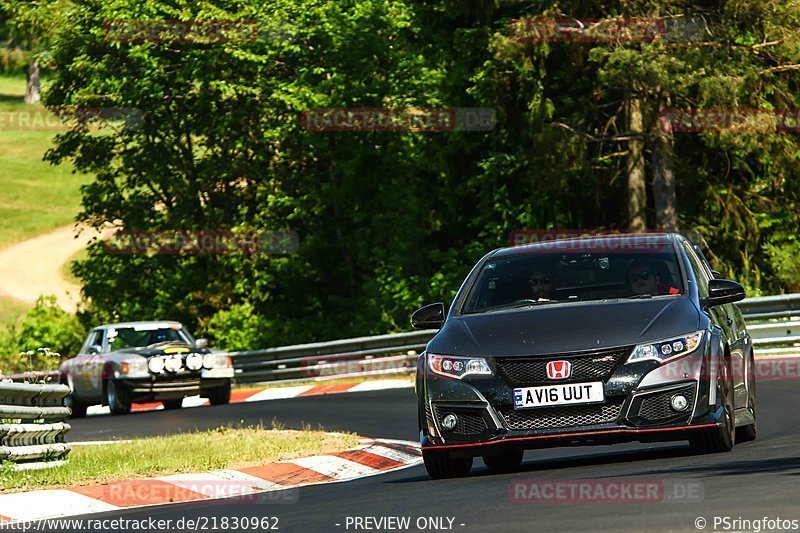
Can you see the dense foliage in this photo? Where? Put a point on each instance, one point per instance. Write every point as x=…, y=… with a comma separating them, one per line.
x=388, y=221
x=26, y=346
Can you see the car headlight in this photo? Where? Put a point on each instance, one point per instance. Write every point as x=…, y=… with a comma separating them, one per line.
x=137, y=366
x=216, y=360
x=458, y=367
x=667, y=349
x=156, y=365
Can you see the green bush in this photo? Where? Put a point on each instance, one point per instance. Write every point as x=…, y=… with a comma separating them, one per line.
x=22, y=348
x=785, y=261
x=238, y=328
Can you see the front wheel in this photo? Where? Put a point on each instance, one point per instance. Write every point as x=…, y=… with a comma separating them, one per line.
x=77, y=408
x=719, y=439
x=440, y=465
x=220, y=395
x=117, y=398
x=749, y=432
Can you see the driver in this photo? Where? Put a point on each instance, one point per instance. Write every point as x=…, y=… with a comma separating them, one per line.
x=647, y=277
x=542, y=284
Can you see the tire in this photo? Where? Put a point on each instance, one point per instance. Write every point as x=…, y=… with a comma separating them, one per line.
x=78, y=409
x=220, y=395
x=440, y=465
x=173, y=404
x=720, y=439
x=508, y=461
x=117, y=398
x=749, y=432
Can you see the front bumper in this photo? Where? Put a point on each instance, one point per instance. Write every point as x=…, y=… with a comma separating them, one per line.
x=170, y=387
x=636, y=408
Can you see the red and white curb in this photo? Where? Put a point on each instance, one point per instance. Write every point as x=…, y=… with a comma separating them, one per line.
x=276, y=393
x=369, y=458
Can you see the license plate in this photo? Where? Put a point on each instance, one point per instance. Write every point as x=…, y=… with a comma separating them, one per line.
x=570, y=393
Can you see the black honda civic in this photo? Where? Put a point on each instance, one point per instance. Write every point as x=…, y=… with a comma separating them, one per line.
x=593, y=340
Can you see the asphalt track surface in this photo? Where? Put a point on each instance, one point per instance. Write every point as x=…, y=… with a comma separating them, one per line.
x=757, y=480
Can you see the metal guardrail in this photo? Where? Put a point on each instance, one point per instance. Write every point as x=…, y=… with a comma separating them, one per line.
x=770, y=322
x=378, y=355
x=32, y=426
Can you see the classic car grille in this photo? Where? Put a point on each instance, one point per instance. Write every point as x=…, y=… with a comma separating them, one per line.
x=470, y=422
x=657, y=406
x=594, y=366
x=563, y=416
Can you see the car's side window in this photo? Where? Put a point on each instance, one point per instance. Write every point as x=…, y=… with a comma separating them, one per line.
x=699, y=272
x=94, y=338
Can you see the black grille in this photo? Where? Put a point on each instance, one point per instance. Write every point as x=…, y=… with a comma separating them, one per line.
x=657, y=406
x=526, y=372
x=469, y=422
x=563, y=416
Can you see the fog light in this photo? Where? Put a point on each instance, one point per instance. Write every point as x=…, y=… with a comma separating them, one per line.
x=156, y=365
x=173, y=364
x=449, y=422
x=194, y=361
x=679, y=402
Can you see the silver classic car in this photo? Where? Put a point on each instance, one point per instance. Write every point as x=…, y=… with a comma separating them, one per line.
x=120, y=364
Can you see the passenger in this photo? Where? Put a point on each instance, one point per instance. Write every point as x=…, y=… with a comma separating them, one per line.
x=648, y=277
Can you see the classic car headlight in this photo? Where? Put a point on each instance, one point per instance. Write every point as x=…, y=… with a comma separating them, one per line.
x=156, y=365
x=458, y=367
x=667, y=349
x=137, y=366
x=194, y=361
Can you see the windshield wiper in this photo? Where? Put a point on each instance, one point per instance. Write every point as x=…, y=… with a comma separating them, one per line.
x=519, y=305
x=638, y=296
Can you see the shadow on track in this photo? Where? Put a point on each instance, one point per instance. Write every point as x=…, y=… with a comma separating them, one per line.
x=621, y=457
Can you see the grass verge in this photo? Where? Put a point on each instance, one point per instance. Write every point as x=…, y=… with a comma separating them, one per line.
x=36, y=197
x=175, y=454
x=11, y=311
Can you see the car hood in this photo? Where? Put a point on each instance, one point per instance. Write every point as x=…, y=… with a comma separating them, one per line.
x=561, y=328
x=170, y=349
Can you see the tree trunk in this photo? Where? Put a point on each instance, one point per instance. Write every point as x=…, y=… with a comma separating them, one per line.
x=664, y=178
x=32, y=87
x=637, y=192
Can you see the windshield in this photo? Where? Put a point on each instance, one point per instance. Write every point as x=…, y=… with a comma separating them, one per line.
x=120, y=338
x=539, y=278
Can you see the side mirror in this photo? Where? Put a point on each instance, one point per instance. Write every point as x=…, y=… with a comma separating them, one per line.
x=201, y=343
x=724, y=291
x=428, y=317
x=94, y=349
